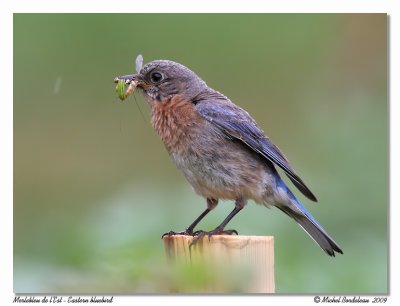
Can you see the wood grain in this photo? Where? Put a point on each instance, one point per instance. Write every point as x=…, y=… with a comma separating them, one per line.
x=225, y=253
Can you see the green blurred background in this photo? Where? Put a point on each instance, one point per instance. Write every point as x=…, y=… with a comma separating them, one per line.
x=94, y=188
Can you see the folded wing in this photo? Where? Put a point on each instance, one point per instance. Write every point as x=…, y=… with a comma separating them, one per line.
x=237, y=123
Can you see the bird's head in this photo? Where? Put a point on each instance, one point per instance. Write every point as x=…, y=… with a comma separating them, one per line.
x=160, y=80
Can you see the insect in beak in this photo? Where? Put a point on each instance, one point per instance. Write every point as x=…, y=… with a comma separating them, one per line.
x=121, y=86
x=121, y=89
x=130, y=80
x=139, y=63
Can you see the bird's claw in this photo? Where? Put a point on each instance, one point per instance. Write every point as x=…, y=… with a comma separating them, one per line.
x=186, y=232
x=198, y=235
x=215, y=232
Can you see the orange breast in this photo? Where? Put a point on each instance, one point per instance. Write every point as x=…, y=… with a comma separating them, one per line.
x=177, y=122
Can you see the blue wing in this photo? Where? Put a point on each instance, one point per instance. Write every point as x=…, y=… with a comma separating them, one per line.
x=237, y=123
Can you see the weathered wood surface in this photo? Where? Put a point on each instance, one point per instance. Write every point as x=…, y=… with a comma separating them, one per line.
x=222, y=253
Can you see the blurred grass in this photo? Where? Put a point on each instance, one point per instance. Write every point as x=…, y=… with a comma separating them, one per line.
x=94, y=188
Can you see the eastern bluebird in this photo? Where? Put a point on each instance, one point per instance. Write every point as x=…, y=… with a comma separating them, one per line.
x=220, y=149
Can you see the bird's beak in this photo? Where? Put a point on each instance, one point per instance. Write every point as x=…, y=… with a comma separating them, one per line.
x=127, y=78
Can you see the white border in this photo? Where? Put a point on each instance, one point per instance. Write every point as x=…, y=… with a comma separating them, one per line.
x=7, y=8
x=179, y=6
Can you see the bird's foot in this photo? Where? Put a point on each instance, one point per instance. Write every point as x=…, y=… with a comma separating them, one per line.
x=198, y=235
x=215, y=232
x=186, y=232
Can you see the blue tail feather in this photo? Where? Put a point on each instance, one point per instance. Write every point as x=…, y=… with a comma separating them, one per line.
x=300, y=214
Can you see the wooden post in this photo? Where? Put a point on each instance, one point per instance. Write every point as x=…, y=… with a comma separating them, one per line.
x=227, y=264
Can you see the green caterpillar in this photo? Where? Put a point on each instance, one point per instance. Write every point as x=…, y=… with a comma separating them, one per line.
x=121, y=89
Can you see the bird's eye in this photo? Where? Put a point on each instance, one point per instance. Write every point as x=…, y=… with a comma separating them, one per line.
x=156, y=77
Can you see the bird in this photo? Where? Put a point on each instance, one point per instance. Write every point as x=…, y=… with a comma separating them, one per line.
x=220, y=149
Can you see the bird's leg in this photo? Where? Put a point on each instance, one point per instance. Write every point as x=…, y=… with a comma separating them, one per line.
x=219, y=230
x=189, y=230
x=211, y=204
